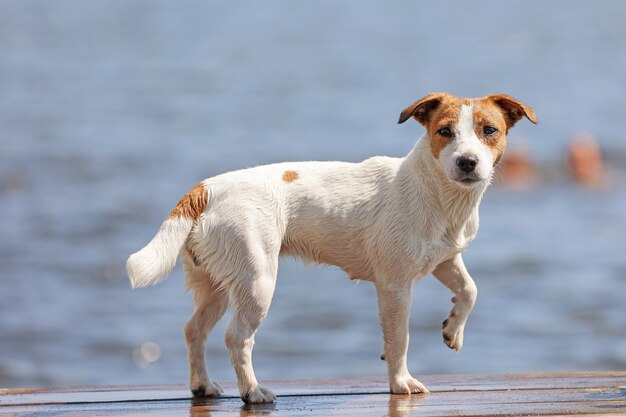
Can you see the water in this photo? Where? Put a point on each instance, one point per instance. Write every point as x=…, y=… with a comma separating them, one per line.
x=110, y=111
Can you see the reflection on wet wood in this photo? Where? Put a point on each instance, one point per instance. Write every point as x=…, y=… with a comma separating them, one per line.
x=477, y=395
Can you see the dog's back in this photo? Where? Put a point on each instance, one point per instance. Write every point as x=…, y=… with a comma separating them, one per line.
x=313, y=210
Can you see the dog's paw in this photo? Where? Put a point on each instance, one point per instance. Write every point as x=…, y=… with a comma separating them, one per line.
x=407, y=385
x=452, y=333
x=209, y=389
x=259, y=395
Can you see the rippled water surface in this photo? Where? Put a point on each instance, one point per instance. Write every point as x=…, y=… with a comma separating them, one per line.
x=110, y=111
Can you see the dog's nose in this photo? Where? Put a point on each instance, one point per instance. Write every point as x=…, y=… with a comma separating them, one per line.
x=466, y=163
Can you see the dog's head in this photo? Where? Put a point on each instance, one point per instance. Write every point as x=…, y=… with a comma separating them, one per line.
x=467, y=136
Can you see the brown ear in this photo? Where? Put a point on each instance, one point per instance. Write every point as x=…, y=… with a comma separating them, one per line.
x=422, y=109
x=513, y=109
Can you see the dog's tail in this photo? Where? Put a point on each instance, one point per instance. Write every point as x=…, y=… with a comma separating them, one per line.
x=151, y=264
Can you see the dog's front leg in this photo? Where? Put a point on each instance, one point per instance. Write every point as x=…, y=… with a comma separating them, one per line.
x=452, y=274
x=394, y=303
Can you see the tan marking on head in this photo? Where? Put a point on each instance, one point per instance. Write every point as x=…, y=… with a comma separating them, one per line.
x=290, y=176
x=512, y=109
x=439, y=110
x=192, y=204
x=487, y=114
x=436, y=111
x=422, y=109
x=445, y=115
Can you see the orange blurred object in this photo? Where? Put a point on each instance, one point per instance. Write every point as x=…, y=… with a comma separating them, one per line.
x=517, y=170
x=585, y=161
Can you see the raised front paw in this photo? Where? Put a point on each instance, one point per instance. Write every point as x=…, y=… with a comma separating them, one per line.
x=452, y=333
x=259, y=395
x=406, y=384
x=207, y=389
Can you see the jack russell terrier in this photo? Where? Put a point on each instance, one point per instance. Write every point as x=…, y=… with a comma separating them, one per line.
x=390, y=221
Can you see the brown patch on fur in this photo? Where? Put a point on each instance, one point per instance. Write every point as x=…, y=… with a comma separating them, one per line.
x=192, y=204
x=437, y=143
x=485, y=113
x=290, y=176
x=421, y=110
x=446, y=115
x=513, y=110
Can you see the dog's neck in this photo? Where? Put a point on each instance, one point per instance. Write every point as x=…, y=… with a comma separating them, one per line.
x=458, y=204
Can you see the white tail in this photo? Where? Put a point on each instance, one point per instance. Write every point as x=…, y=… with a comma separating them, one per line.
x=157, y=259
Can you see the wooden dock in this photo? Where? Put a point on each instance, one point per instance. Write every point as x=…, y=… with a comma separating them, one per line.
x=597, y=393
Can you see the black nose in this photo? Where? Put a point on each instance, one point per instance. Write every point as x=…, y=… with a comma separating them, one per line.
x=466, y=163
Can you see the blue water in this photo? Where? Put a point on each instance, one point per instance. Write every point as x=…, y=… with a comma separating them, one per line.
x=111, y=110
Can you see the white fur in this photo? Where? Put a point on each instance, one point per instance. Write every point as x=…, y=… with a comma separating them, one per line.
x=390, y=221
x=152, y=263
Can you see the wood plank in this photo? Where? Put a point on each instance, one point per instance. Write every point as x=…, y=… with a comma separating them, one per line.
x=316, y=387
x=479, y=395
x=478, y=403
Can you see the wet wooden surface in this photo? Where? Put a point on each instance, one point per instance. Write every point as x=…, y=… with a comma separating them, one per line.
x=601, y=393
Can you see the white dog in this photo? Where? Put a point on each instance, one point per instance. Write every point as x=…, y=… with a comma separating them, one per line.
x=390, y=221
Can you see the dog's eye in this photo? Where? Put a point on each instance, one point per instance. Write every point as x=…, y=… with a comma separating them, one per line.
x=489, y=130
x=445, y=132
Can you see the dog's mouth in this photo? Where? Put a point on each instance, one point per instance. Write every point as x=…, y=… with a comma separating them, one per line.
x=468, y=181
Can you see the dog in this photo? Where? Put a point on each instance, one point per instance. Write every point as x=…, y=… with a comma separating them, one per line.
x=387, y=220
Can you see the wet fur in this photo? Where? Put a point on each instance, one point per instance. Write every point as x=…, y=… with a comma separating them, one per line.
x=389, y=221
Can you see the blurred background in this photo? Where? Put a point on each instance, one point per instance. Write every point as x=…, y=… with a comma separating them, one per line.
x=111, y=110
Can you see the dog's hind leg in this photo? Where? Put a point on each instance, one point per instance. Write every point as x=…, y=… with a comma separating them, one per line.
x=452, y=274
x=250, y=298
x=210, y=304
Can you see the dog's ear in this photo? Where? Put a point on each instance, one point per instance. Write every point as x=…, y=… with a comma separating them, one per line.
x=512, y=109
x=422, y=109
